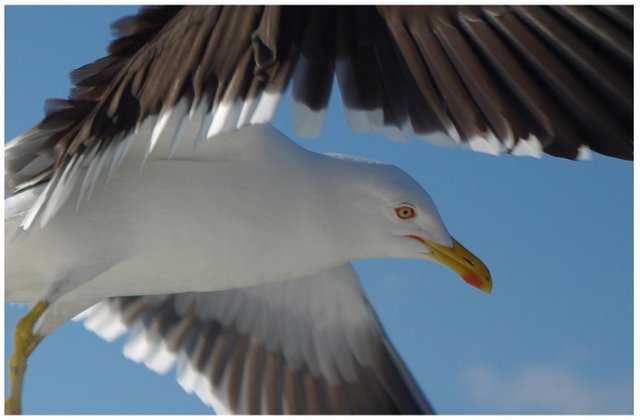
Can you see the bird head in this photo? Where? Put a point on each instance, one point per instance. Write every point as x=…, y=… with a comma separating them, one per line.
x=411, y=227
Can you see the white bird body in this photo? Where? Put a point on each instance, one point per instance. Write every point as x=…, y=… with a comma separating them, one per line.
x=238, y=210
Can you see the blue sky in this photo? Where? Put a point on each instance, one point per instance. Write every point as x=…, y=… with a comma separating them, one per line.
x=555, y=336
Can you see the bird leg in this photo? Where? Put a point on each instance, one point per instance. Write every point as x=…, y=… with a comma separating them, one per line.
x=25, y=341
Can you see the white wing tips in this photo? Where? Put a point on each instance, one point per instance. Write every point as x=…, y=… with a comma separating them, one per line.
x=158, y=129
x=145, y=347
x=103, y=320
x=265, y=108
x=530, y=146
x=584, y=153
x=306, y=122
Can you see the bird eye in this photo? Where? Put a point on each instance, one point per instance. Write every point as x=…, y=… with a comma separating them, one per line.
x=405, y=212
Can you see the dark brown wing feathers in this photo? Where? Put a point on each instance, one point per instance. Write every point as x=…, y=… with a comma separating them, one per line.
x=249, y=378
x=561, y=74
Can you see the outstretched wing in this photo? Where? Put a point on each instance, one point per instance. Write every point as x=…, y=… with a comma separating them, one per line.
x=520, y=80
x=310, y=345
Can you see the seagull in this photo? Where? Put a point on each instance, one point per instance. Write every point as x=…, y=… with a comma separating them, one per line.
x=142, y=198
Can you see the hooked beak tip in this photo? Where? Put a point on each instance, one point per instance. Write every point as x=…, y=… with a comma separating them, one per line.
x=472, y=279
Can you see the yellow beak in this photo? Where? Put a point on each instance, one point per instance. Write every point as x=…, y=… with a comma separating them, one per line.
x=459, y=259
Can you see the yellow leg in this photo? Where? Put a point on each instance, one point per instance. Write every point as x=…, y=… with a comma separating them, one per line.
x=24, y=343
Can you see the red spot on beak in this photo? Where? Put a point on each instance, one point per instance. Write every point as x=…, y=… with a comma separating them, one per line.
x=471, y=279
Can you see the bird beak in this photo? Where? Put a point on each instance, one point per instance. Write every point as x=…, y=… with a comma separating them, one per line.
x=459, y=259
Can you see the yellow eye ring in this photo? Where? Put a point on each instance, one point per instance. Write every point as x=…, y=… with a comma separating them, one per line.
x=405, y=212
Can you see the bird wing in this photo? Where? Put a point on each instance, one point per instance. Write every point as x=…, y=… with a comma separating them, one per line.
x=311, y=345
x=522, y=80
